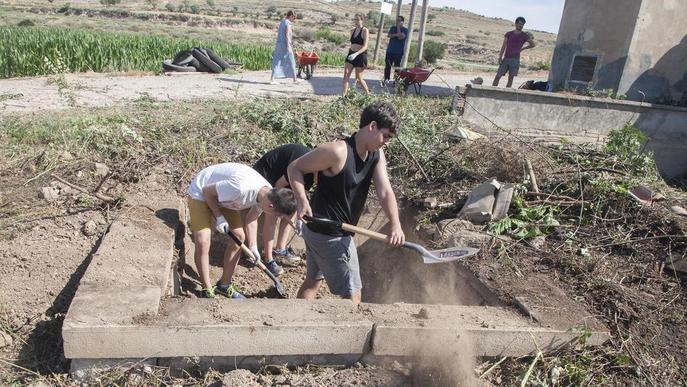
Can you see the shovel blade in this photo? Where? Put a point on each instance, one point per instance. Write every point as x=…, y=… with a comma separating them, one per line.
x=444, y=255
x=448, y=255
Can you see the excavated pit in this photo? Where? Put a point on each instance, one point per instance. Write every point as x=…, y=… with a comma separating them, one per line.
x=410, y=310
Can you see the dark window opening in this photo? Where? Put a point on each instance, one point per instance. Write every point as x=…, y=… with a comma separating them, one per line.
x=583, y=68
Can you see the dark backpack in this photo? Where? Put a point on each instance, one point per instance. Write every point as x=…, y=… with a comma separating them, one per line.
x=534, y=85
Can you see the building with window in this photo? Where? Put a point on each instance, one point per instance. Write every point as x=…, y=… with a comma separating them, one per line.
x=636, y=48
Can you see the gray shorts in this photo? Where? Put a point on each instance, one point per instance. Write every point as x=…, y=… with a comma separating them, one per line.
x=334, y=259
x=509, y=65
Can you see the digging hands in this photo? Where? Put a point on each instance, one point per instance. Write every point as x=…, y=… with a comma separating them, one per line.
x=396, y=236
x=221, y=225
x=303, y=210
x=256, y=255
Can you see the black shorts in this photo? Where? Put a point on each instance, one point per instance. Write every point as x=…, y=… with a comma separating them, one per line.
x=359, y=61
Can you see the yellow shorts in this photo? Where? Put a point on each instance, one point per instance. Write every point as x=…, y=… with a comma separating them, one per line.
x=200, y=216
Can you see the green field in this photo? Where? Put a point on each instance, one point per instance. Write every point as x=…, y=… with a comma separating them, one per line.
x=29, y=51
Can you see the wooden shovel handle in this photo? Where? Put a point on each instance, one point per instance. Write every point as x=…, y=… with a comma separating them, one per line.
x=363, y=231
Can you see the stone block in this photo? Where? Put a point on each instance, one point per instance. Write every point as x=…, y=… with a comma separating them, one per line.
x=137, y=251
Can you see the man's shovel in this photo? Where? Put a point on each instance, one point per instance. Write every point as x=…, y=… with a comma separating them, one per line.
x=258, y=263
x=434, y=256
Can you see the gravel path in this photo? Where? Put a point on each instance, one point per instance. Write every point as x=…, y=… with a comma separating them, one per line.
x=26, y=95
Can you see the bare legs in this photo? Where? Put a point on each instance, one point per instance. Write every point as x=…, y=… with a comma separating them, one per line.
x=498, y=78
x=309, y=288
x=202, y=241
x=348, y=69
x=201, y=255
x=231, y=257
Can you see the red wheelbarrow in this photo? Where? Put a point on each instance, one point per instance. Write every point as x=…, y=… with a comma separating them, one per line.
x=413, y=76
x=306, y=63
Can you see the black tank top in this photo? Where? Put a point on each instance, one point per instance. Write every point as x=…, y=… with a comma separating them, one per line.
x=342, y=197
x=272, y=165
x=358, y=39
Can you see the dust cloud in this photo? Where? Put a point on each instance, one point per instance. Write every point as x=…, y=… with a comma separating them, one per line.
x=399, y=275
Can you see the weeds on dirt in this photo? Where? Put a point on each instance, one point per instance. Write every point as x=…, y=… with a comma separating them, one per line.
x=609, y=248
x=605, y=246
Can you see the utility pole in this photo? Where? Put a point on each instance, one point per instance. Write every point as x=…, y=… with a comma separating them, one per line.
x=423, y=23
x=380, y=28
x=398, y=10
x=406, y=49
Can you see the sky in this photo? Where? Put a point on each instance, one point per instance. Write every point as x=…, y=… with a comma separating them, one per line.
x=544, y=15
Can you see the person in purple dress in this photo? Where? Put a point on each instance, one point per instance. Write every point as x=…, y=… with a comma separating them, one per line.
x=509, y=56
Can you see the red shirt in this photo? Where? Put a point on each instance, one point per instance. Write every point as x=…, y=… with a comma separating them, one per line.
x=514, y=43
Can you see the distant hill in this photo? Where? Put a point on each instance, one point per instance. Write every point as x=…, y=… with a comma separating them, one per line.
x=471, y=40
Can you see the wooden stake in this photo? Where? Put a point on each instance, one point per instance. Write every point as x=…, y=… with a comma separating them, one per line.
x=533, y=178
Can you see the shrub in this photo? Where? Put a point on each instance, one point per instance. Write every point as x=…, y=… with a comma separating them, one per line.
x=627, y=146
x=195, y=8
x=25, y=23
x=169, y=7
x=64, y=8
x=307, y=35
x=372, y=19
x=210, y=3
x=152, y=3
x=435, y=33
x=431, y=53
x=326, y=34
x=110, y=2
x=540, y=65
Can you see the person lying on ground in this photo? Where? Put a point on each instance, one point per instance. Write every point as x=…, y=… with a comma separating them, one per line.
x=509, y=56
x=272, y=166
x=218, y=193
x=357, y=55
x=345, y=170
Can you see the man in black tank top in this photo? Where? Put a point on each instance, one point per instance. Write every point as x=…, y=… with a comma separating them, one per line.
x=272, y=166
x=345, y=170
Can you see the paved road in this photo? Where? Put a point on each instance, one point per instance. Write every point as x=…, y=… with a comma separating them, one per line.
x=23, y=95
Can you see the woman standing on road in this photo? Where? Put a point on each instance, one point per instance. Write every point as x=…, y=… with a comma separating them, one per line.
x=283, y=62
x=357, y=55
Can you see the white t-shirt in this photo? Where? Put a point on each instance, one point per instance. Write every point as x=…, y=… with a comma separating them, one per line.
x=237, y=185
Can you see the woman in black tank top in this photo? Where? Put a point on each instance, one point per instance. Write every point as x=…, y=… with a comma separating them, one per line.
x=357, y=55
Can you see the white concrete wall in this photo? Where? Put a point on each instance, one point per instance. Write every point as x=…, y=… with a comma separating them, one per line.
x=657, y=57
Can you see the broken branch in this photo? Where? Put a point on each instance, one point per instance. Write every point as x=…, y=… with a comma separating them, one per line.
x=97, y=195
x=415, y=160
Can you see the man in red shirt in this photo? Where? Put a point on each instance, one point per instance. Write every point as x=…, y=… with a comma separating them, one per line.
x=512, y=46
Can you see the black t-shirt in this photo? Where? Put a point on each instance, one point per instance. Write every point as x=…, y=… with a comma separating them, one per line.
x=272, y=165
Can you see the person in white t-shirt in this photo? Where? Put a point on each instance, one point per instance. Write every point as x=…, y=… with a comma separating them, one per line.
x=218, y=193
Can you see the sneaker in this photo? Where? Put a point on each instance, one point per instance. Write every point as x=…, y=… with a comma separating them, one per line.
x=207, y=293
x=286, y=255
x=274, y=83
x=274, y=267
x=230, y=291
